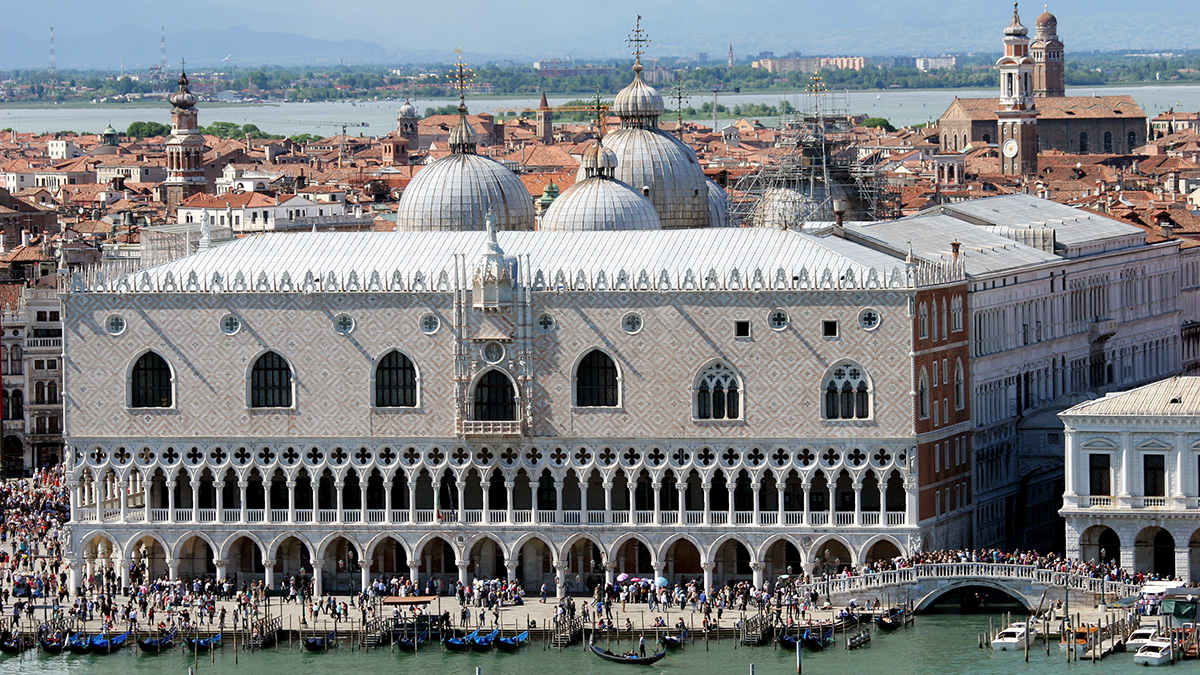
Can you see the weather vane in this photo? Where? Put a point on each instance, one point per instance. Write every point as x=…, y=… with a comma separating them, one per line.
x=599, y=116
x=638, y=40
x=681, y=97
x=461, y=76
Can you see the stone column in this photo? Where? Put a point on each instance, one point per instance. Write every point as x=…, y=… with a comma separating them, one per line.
x=804, y=488
x=660, y=570
x=316, y=502
x=412, y=501
x=387, y=501
x=632, y=505
x=222, y=565
x=560, y=577
x=291, y=488
x=708, y=575
x=657, y=487
x=607, y=485
x=362, y=497
x=511, y=567
x=487, y=501
x=414, y=571
x=757, y=569
x=195, y=500
x=172, y=569
x=243, y=485
x=338, y=486
x=462, y=572
x=170, y=501
x=219, y=500
x=74, y=574
x=75, y=502
x=123, y=488
x=780, y=488
x=269, y=573
x=610, y=572
x=365, y=573
x=857, y=503
x=462, y=499
x=123, y=571
x=832, y=506
x=318, y=566
x=756, y=488
x=681, y=488
x=731, y=486
x=707, y=487
x=558, y=503
x=508, y=510
x=1123, y=495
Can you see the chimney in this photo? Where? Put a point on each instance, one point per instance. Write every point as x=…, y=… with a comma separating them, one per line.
x=24, y=237
x=839, y=214
x=954, y=246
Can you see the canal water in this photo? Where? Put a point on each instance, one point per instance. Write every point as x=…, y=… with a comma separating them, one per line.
x=900, y=106
x=946, y=643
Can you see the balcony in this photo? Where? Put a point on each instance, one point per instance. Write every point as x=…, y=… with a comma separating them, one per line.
x=491, y=429
x=1149, y=502
x=1096, y=501
x=1102, y=329
x=256, y=515
x=41, y=343
x=231, y=515
x=279, y=515
x=497, y=516
x=208, y=515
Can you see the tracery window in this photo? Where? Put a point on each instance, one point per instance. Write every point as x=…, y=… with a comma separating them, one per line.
x=923, y=395
x=395, y=382
x=718, y=394
x=150, y=383
x=847, y=393
x=596, y=381
x=495, y=398
x=271, y=382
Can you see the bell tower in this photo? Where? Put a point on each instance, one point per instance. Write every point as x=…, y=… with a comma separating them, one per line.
x=1017, y=117
x=1047, y=52
x=545, y=122
x=185, y=148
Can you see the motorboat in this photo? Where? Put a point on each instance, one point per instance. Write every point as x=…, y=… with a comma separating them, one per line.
x=1079, y=639
x=1139, y=638
x=1014, y=637
x=1156, y=652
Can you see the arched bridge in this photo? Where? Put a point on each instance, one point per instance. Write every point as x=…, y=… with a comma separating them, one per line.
x=924, y=584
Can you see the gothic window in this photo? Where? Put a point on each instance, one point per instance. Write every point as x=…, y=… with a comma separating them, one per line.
x=150, y=383
x=596, y=381
x=923, y=319
x=271, y=382
x=1083, y=141
x=718, y=394
x=1132, y=141
x=495, y=398
x=956, y=313
x=847, y=393
x=923, y=395
x=395, y=382
x=1108, y=142
x=959, y=386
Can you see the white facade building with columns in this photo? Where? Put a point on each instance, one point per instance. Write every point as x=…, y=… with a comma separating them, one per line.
x=1133, y=478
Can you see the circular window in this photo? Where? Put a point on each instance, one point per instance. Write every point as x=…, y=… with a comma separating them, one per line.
x=430, y=324
x=778, y=319
x=632, y=323
x=492, y=352
x=115, y=325
x=343, y=324
x=868, y=319
x=545, y=324
x=230, y=324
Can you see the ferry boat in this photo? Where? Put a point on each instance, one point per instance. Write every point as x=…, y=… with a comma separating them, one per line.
x=1014, y=637
x=1153, y=653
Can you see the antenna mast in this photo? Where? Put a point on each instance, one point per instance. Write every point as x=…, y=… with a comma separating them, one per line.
x=53, y=61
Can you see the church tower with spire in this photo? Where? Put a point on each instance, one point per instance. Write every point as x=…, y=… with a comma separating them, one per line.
x=1017, y=117
x=1047, y=53
x=545, y=122
x=185, y=148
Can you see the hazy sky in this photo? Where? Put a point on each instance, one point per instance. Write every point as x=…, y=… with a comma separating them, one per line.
x=573, y=27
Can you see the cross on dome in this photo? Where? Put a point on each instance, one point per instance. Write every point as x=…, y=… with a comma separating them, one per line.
x=638, y=40
x=461, y=75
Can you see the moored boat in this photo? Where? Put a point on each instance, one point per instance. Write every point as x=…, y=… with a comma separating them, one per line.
x=1156, y=652
x=817, y=639
x=105, y=645
x=1014, y=637
x=411, y=644
x=459, y=644
x=892, y=619
x=483, y=643
x=628, y=658
x=321, y=644
x=675, y=641
x=203, y=644
x=158, y=645
x=512, y=644
x=1139, y=638
x=53, y=644
x=78, y=644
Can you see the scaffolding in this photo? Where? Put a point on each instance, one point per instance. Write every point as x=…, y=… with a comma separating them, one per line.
x=814, y=162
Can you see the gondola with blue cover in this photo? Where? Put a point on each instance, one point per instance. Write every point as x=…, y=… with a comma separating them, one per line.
x=106, y=645
x=459, y=644
x=12, y=644
x=817, y=640
x=484, y=643
x=201, y=645
x=411, y=644
x=53, y=644
x=321, y=644
x=789, y=642
x=78, y=644
x=512, y=644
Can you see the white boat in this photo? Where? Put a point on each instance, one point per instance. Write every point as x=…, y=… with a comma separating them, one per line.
x=1153, y=653
x=1139, y=638
x=1013, y=638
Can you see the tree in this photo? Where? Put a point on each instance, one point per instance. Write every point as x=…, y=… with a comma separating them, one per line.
x=878, y=122
x=147, y=129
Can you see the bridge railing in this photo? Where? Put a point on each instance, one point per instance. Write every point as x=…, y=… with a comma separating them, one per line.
x=1000, y=571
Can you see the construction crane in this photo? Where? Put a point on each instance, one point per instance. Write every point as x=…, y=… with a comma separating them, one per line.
x=314, y=123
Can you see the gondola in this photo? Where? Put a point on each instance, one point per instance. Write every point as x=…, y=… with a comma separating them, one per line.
x=789, y=642
x=675, y=641
x=859, y=639
x=512, y=644
x=321, y=644
x=53, y=644
x=102, y=645
x=158, y=645
x=628, y=660
x=78, y=644
x=411, y=645
x=893, y=619
x=484, y=643
x=816, y=640
x=459, y=644
x=201, y=645
x=13, y=645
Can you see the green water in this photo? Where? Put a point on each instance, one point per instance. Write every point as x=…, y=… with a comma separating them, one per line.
x=938, y=644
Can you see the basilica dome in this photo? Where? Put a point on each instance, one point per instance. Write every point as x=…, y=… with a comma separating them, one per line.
x=600, y=202
x=718, y=205
x=455, y=192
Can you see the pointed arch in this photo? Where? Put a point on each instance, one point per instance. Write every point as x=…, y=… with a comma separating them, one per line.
x=718, y=392
x=270, y=382
x=596, y=380
x=177, y=548
x=923, y=394
x=149, y=381
x=633, y=536
x=273, y=547
x=494, y=396
x=395, y=381
x=847, y=392
x=564, y=550
x=227, y=544
x=720, y=541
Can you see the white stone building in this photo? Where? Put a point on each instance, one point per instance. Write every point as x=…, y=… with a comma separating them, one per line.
x=1133, y=478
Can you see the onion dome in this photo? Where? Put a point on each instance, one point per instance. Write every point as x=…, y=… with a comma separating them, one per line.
x=639, y=104
x=1015, y=29
x=1047, y=21
x=598, y=160
x=406, y=111
x=718, y=205
x=781, y=208
x=183, y=98
x=463, y=138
